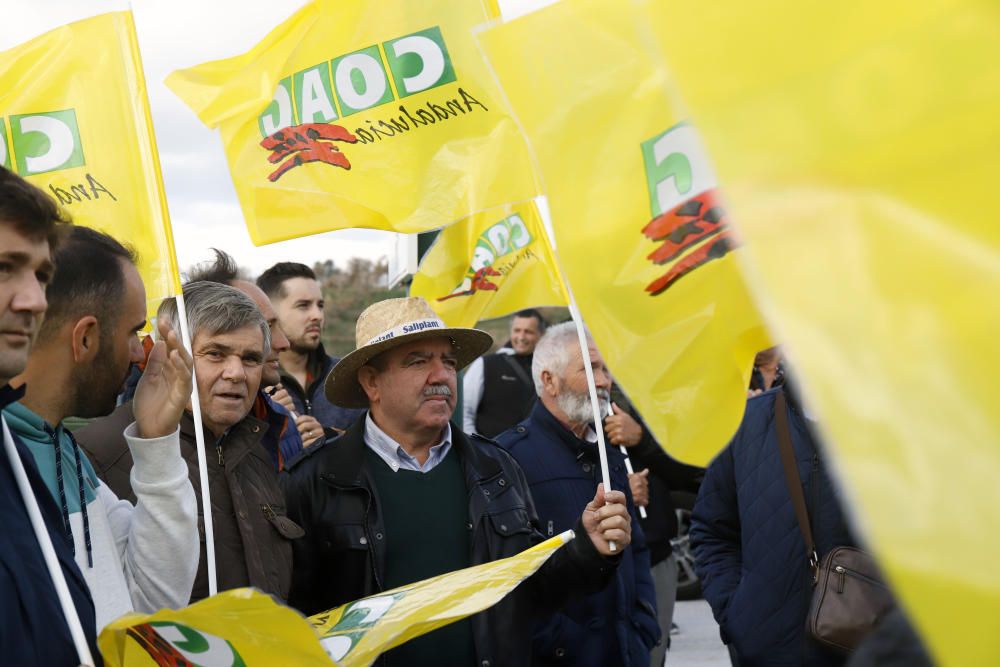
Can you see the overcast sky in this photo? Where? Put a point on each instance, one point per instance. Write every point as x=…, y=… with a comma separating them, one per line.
x=175, y=34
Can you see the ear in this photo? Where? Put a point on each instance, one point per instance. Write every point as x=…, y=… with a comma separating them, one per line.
x=368, y=379
x=550, y=383
x=85, y=339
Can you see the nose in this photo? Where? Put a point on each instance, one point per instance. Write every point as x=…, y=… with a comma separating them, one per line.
x=440, y=373
x=602, y=378
x=136, y=353
x=279, y=341
x=30, y=296
x=316, y=313
x=232, y=369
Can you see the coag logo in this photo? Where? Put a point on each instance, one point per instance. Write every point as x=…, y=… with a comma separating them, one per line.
x=683, y=200
x=298, y=124
x=354, y=622
x=499, y=241
x=41, y=142
x=176, y=645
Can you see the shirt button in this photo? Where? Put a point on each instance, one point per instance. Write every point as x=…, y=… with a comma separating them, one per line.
x=560, y=652
x=378, y=536
x=587, y=467
x=364, y=540
x=256, y=429
x=502, y=482
x=520, y=429
x=469, y=525
x=503, y=527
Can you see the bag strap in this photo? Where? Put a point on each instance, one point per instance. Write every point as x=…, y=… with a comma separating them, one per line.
x=792, y=476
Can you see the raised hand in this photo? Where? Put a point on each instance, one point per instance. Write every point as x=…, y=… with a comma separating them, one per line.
x=606, y=519
x=165, y=387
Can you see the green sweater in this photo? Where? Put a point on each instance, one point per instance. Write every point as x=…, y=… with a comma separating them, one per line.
x=427, y=533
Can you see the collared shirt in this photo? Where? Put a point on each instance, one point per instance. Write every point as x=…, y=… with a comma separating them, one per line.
x=395, y=456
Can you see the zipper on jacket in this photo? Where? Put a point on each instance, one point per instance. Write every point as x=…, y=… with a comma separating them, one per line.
x=371, y=543
x=551, y=529
x=844, y=572
x=309, y=406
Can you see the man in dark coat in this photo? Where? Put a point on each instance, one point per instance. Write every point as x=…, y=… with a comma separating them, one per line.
x=298, y=300
x=33, y=629
x=750, y=554
x=404, y=495
x=230, y=343
x=556, y=446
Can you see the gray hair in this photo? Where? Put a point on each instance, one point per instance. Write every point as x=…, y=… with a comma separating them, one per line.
x=215, y=308
x=553, y=352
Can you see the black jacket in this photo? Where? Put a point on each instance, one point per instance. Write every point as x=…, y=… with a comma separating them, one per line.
x=331, y=494
x=32, y=629
x=312, y=400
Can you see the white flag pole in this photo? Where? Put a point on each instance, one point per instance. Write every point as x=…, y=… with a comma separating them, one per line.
x=631, y=471
x=83, y=653
x=199, y=434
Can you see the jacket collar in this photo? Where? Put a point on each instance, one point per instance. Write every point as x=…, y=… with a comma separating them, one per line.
x=237, y=441
x=9, y=395
x=541, y=416
x=344, y=465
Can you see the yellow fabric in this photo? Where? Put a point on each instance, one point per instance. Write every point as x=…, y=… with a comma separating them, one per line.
x=74, y=120
x=859, y=144
x=357, y=633
x=596, y=115
x=421, y=142
x=490, y=265
x=237, y=628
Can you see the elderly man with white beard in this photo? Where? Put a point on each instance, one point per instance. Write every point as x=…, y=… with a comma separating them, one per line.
x=556, y=446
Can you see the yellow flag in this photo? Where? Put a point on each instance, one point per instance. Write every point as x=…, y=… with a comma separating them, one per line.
x=363, y=113
x=490, y=265
x=74, y=120
x=641, y=235
x=859, y=146
x=357, y=633
x=237, y=628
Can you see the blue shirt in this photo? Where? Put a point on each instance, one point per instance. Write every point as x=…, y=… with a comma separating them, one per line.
x=395, y=456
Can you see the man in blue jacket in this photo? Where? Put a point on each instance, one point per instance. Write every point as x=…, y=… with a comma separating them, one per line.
x=33, y=630
x=749, y=552
x=556, y=446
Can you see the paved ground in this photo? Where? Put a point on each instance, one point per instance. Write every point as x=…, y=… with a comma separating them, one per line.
x=698, y=642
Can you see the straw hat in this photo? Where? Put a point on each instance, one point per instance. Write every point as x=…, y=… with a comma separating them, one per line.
x=391, y=323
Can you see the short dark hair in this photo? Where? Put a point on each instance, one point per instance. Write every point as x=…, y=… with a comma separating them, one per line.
x=531, y=312
x=34, y=214
x=89, y=279
x=273, y=280
x=223, y=270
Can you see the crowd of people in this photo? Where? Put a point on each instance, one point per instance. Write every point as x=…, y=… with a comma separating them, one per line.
x=335, y=478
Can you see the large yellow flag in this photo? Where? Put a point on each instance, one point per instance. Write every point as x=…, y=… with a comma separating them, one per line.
x=859, y=145
x=357, y=633
x=238, y=628
x=641, y=235
x=74, y=120
x=490, y=265
x=363, y=113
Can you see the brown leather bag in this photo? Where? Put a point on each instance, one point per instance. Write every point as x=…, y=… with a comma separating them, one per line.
x=850, y=596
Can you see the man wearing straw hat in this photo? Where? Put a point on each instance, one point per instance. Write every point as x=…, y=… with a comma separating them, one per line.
x=36, y=627
x=405, y=495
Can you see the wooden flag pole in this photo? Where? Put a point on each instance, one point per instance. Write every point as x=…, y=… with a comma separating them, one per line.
x=199, y=434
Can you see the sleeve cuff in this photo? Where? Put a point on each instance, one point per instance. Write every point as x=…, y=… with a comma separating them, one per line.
x=155, y=459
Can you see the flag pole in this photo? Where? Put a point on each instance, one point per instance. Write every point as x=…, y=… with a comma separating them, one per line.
x=199, y=434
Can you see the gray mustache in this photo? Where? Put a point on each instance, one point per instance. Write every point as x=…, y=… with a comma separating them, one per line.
x=438, y=390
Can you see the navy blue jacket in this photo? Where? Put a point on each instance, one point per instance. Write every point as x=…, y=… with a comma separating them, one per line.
x=32, y=629
x=282, y=440
x=311, y=400
x=749, y=553
x=616, y=626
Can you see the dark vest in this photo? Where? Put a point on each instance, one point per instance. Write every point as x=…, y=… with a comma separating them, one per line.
x=507, y=399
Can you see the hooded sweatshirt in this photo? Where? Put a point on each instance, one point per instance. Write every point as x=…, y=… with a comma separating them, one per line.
x=134, y=558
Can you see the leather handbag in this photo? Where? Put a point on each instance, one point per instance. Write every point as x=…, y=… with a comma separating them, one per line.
x=850, y=596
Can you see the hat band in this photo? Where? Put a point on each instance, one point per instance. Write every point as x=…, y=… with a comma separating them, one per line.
x=407, y=328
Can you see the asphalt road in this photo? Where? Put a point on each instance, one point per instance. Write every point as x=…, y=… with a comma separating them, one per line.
x=698, y=641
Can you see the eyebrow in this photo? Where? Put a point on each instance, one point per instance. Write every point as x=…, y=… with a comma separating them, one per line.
x=22, y=258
